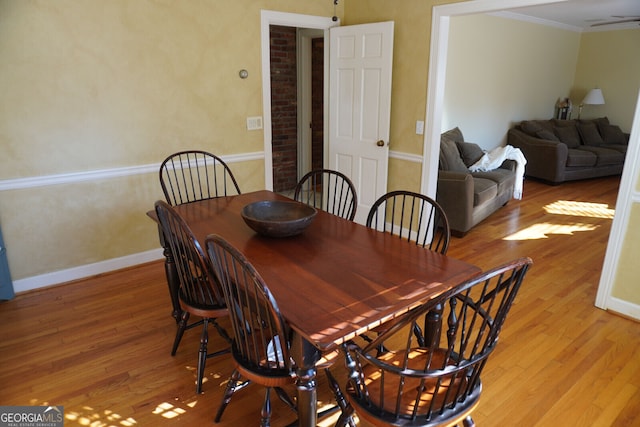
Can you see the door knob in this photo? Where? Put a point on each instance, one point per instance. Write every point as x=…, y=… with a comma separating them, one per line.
x=380, y=143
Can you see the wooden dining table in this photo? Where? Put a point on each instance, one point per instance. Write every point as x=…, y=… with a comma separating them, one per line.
x=334, y=281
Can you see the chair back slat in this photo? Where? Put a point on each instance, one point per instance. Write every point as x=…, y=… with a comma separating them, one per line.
x=328, y=190
x=198, y=287
x=188, y=176
x=261, y=337
x=409, y=383
x=411, y=216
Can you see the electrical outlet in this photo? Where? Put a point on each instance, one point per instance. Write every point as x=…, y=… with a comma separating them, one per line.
x=419, y=127
x=254, y=123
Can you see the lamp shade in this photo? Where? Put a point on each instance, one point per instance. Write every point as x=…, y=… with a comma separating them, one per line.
x=594, y=97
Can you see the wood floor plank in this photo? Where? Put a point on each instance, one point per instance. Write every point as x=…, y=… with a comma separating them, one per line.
x=101, y=346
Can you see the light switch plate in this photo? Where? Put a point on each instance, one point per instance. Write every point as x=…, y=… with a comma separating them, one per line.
x=254, y=123
x=419, y=127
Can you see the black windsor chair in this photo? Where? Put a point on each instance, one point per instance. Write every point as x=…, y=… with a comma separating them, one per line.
x=188, y=176
x=328, y=190
x=261, y=336
x=438, y=384
x=199, y=294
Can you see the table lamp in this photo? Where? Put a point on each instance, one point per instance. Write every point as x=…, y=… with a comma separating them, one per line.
x=594, y=97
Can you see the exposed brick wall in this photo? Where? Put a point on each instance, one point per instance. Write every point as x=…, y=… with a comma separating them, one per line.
x=284, y=107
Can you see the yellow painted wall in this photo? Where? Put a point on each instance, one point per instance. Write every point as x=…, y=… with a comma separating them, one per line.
x=626, y=279
x=609, y=60
x=92, y=85
x=512, y=70
x=508, y=71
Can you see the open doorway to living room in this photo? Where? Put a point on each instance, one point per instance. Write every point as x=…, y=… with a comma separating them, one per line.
x=438, y=69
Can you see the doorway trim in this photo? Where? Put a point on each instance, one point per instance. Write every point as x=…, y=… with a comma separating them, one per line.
x=440, y=19
x=268, y=18
x=628, y=197
x=304, y=37
x=431, y=146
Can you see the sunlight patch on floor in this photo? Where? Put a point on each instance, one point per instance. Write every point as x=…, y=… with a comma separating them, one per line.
x=331, y=420
x=569, y=208
x=89, y=417
x=586, y=209
x=167, y=410
x=543, y=230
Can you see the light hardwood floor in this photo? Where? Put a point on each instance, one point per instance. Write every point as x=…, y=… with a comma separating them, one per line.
x=101, y=346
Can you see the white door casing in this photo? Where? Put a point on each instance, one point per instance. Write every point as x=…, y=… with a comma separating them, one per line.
x=360, y=64
x=372, y=165
x=628, y=199
x=304, y=55
x=268, y=18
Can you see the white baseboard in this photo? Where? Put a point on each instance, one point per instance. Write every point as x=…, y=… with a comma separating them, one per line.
x=83, y=271
x=624, y=308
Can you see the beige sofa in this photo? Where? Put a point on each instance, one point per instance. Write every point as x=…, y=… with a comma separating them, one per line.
x=565, y=150
x=469, y=197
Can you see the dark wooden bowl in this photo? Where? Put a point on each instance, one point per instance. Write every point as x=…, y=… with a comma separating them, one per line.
x=278, y=218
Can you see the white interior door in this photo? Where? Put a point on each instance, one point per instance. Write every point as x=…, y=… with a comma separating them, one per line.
x=360, y=63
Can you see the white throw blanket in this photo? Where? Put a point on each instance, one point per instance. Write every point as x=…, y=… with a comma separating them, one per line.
x=494, y=158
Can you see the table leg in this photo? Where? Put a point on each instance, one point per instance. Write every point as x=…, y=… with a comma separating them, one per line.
x=172, y=276
x=433, y=326
x=305, y=355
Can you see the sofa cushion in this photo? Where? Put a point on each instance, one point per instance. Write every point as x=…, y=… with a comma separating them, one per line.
x=469, y=152
x=568, y=134
x=601, y=122
x=546, y=134
x=581, y=158
x=483, y=190
x=589, y=133
x=618, y=147
x=450, y=159
x=504, y=178
x=454, y=135
x=605, y=156
x=612, y=134
x=531, y=127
